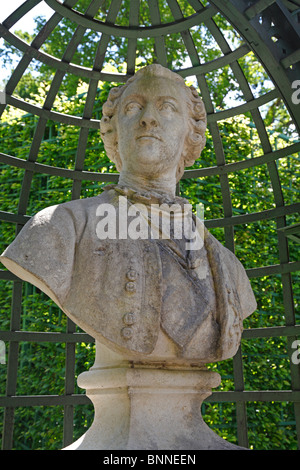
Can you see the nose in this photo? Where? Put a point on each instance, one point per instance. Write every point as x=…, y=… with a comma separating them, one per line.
x=149, y=117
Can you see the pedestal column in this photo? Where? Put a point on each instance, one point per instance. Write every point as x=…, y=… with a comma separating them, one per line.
x=147, y=406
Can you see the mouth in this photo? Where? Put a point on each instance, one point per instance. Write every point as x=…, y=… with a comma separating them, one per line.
x=148, y=136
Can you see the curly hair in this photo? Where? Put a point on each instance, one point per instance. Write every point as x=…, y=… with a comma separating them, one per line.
x=195, y=138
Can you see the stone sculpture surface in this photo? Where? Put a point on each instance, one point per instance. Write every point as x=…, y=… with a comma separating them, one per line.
x=138, y=271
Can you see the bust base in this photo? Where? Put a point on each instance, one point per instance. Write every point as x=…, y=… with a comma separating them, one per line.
x=148, y=406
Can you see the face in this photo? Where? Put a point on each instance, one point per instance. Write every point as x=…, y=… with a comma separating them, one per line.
x=152, y=124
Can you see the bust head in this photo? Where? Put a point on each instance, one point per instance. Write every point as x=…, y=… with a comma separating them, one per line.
x=154, y=120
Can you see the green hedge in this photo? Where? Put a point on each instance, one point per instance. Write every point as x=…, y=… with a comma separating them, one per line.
x=42, y=365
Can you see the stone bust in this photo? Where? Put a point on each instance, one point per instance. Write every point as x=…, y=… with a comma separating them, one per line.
x=145, y=298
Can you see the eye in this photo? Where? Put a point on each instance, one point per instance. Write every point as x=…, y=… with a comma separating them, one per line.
x=133, y=107
x=168, y=107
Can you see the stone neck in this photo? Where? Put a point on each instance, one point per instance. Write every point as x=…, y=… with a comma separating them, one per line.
x=147, y=197
x=164, y=185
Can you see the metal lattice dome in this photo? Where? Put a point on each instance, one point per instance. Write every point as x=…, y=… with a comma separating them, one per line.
x=265, y=30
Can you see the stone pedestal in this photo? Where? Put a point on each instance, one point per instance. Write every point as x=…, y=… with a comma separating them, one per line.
x=147, y=406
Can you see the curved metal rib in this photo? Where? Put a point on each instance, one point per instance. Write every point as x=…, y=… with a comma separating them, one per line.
x=132, y=32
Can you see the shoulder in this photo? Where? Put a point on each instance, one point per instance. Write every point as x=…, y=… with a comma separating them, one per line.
x=68, y=215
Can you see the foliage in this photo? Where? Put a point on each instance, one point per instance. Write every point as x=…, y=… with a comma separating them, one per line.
x=42, y=365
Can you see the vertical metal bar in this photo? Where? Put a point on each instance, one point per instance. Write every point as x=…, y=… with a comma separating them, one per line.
x=160, y=48
x=12, y=366
x=186, y=35
x=69, y=386
x=241, y=408
x=132, y=42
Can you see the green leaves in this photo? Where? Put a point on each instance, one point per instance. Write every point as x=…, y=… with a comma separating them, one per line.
x=42, y=365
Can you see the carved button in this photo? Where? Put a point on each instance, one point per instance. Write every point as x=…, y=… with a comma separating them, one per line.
x=129, y=318
x=126, y=333
x=100, y=251
x=130, y=286
x=131, y=275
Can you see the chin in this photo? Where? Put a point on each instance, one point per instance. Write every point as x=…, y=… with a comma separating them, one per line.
x=150, y=168
x=148, y=159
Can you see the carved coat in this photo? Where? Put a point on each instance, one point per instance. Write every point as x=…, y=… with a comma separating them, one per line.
x=124, y=291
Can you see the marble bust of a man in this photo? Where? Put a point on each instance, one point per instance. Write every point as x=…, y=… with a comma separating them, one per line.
x=143, y=297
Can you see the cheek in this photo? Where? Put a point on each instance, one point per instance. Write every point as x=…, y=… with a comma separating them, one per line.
x=124, y=135
x=178, y=131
